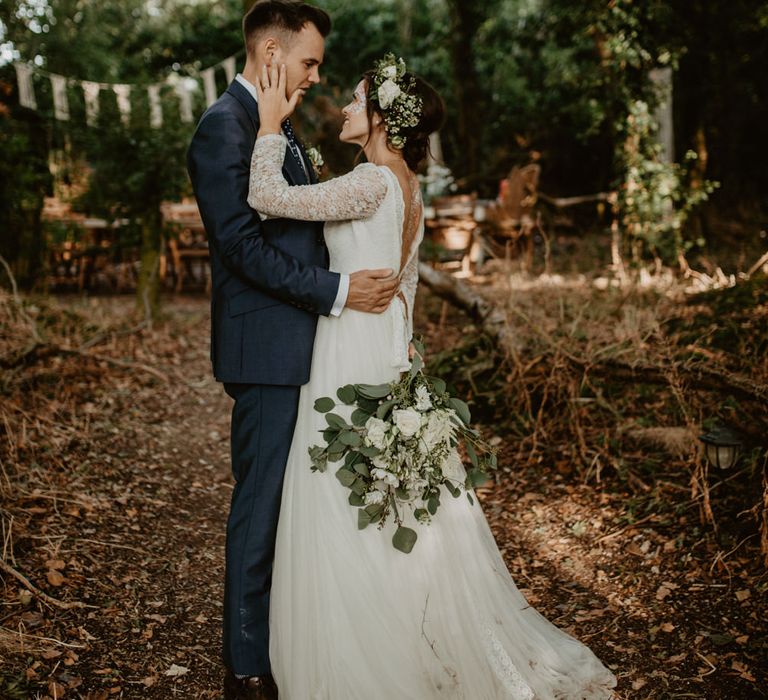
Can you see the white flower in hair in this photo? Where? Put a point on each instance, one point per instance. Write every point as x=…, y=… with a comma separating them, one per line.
x=388, y=92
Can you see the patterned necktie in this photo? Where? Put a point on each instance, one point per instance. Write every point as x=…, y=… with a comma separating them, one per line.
x=290, y=134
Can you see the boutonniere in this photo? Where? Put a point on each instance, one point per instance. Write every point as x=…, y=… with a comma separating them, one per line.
x=316, y=158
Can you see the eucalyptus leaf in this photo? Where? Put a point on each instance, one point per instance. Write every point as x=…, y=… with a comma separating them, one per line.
x=363, y=519
x=369, y=451
x=336, y=421
x=351, y=438
x=347, y=394
x=355, y=499
x=455, y=491
x=358, y=486
x=416, y=364
x=383, y=410
x=362, y=468
x=346, y=477
x=438, y=385
x=470, y=499
x=462, y=410
x=404, y=539
x=324, y=404
x=432, y=504
x=360, y=417
x=476, y=478
x=374, y=391
x=472, y=454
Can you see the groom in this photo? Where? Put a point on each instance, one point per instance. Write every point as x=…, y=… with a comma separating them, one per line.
x=270, y=283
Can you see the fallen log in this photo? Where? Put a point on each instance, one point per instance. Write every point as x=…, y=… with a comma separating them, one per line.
x=489, y=318
x=493, y=321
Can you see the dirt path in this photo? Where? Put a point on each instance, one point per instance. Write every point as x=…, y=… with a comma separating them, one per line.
x=132, y=523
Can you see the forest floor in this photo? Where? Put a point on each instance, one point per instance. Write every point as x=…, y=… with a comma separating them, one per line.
x=115, y=485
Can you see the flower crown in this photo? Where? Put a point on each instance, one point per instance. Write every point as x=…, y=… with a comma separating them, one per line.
x=393, y=92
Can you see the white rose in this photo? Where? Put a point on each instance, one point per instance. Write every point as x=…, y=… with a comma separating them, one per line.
x=390, y=72
x=386, y=476
x=407, y=421
x=380, y=462
x=376, y=432
x=423, y=400
x=388, y=93
x=453, y=468
x=373, y=498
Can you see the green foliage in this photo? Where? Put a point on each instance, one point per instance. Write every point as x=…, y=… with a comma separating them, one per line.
x=655, y=198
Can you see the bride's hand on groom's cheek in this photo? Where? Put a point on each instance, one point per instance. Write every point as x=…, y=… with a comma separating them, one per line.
x=274, y=106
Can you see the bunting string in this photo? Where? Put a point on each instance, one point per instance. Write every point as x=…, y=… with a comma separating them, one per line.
x=183, y=86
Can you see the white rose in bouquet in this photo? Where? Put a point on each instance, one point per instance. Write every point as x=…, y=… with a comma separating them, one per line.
x=373, y=498
x=386, y=476
x=388, y=92
x=423, y=400
x=376, y=432
x=390, y=72
x=407, y=421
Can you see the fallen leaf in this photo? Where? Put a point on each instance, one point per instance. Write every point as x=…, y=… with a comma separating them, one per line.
x=55, y=578
x=175, y=671
x=741, y=596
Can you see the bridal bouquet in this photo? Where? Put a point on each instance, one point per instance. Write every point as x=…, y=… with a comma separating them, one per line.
x=399, y=448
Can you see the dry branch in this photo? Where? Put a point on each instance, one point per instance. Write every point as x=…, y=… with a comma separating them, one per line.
x=63, y=605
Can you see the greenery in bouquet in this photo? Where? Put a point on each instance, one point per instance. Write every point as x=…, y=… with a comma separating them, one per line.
x=400, y=446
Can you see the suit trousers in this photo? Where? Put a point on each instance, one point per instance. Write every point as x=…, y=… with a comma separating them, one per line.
x=263, y=420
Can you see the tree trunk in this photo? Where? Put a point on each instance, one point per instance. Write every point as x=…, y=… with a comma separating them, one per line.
x=148, y=288
x=465, y=21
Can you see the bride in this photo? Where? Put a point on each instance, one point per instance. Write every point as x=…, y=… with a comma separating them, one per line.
x=351, y=617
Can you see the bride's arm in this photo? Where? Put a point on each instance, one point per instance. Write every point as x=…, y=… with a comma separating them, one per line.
x=356, y=195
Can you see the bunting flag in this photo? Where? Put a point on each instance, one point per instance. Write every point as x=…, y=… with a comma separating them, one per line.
x=183, y=87
x=209, y=84
x=26, y=89
x=155, y=108
x=229, y=68
x=123, y=94
x=91, y=94
x=60, y=102
x=185, y=101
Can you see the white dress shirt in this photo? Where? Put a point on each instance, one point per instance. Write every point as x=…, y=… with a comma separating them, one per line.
x=343, y=292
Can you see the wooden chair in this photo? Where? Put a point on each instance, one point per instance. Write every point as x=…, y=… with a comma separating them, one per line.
x=188, y=248
x=511, y=219
x=452, y=228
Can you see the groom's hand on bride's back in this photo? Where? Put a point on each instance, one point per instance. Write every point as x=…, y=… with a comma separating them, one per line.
x=371, y=290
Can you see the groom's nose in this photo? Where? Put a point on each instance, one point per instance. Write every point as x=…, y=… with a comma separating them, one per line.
x=314, y=75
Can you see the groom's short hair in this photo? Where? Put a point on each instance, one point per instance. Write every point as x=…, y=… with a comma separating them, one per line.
x=283, y=16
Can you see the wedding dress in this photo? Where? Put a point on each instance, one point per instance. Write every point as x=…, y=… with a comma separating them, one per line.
x=351, y=617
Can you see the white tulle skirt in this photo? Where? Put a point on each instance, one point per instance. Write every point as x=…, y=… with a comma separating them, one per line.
x=352, y=618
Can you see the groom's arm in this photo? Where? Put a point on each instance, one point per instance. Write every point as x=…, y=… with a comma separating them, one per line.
x=218, y=161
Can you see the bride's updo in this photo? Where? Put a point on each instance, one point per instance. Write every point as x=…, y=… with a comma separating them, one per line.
x=411, y=115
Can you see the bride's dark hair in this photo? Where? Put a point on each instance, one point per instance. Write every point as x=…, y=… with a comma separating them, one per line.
x=431, y=119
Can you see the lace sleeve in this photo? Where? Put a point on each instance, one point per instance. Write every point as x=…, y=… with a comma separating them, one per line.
x=356, y=195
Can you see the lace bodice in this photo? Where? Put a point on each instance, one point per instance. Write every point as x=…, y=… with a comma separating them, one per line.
x=364, y=211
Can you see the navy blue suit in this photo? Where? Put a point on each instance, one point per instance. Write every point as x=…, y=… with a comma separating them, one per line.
x=270, y=281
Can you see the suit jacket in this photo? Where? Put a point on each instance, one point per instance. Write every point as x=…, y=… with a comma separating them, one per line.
x=270, y=279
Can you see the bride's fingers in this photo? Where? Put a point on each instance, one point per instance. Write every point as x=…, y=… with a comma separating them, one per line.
x=281, y=79
x=264, y=78
x=273, y=76
x=298, y=93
